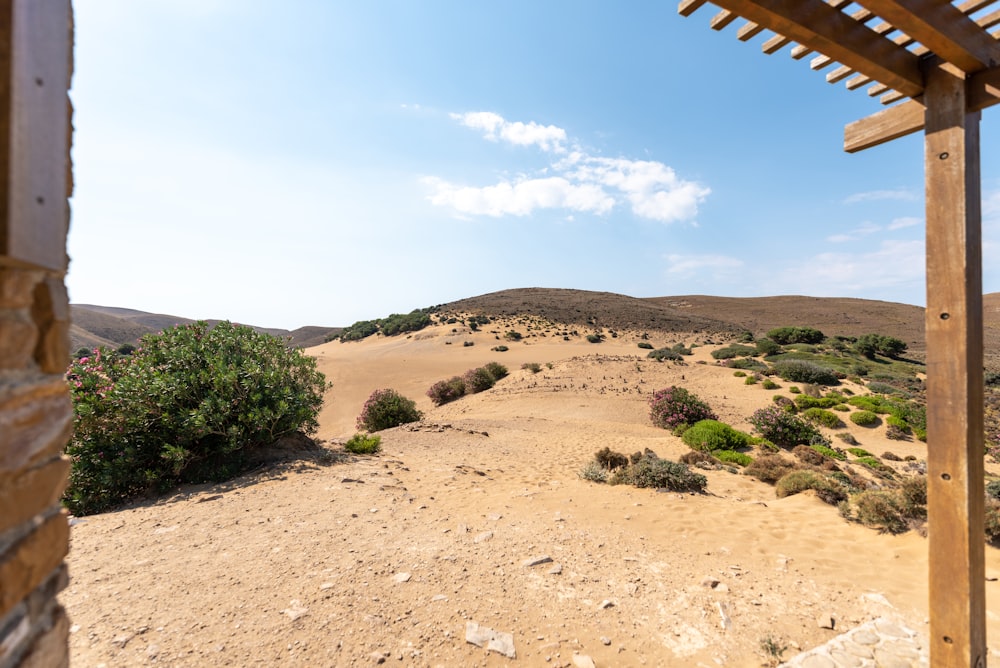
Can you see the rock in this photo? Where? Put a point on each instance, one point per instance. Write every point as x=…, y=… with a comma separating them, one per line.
x=483, y=537
x=710, y=582
x=605, y=604
x=295, y=610
x=535, y=561
x=722, y=586
x=724, y=620
x=583, y=661
x=122, y=640
x=873, y=597
x=400, y=578
x=825, y=621
x=555, y=570
x=438, y=597
x=605, y=640
x=325, y=586
x=378, y=657
x=493, y=641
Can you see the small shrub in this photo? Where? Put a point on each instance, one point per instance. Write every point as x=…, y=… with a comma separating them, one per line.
x=386, y=409
x=859, y=452
x=870, y=462
x=739, y=374
x=468, y=344
x=445, y=391
x=826, y=488
x=781, y=427
x=645, y=345
x=913, y=497
x=659, y=473
x=477, y=380
x=769, y=384
x=499, y=349
x=992, y=524
x=891, y=456
x=364, y=444
x=712, y=435
x=770, y=468
x=513, y=336
x=865, y=418
x=841, y=408
x=993, y=489
x=610, y=460
x=767, y=347
x=661, y=354
x=594, y=338
x=734, y=350
x=750, y=380
x=695, y=457
x=733, y=457
x=794, y=389
x=533, y=367
x=823, y=417
x=593, y=472
x=496, y=370
x=785, y=403
x=674, y=406
x=880, y=509
x=847, y=437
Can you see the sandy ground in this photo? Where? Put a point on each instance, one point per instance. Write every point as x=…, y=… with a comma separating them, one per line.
x=386, y=559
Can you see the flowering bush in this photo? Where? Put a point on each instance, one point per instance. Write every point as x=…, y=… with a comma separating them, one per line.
x=675, y=406
x=188, y=405
x=386, y=409
x=781, y=427
x=445, y=391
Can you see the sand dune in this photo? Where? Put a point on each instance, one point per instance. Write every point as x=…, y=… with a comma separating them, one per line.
x=388, y=557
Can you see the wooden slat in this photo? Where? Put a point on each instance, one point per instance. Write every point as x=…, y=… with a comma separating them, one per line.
x=749, y=30
x=954, y=325
x=943, y=29
x=819, y=26
x=908, y=117
x=778, y=41
x=858, y=81
x=689, y=7
x=723, y=19
x=861, y=16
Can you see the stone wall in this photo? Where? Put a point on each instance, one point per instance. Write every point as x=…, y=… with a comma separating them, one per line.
x=36, y=414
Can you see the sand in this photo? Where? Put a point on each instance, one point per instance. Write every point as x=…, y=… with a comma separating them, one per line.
x=387, y=558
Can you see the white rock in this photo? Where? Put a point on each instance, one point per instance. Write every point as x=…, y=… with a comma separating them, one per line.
x=493, y=641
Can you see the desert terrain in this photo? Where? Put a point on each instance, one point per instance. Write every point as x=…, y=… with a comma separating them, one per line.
x=477, y=514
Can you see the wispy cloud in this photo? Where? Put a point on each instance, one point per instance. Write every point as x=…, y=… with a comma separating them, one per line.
x=894, y=263
x=579, y=181
x=495, y=128
x=875, y=195
x=859, y=232
x=905, y=221
x=712, y=264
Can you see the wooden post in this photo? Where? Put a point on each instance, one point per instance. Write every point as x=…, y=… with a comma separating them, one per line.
x=954, y=374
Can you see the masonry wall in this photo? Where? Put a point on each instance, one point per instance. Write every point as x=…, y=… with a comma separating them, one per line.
x=36, y=415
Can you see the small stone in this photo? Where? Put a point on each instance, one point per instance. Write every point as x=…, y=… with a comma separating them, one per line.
x=378, y=657
x=493, y=641
x=818, y=661
x=438, y=597
x=483, y=537
x=400, y=578
x=295, y=610
x=722, y=586
x=825, y=621
x=710, y=582
x=373, y=510
x=605, y=604
x=888, y=628
x=874, y=597
x=583, y=661
x=122, y=640
x=845, y=660
x=494, y=517
x=605, y=640
x=535, y=561
x=325, y=586
x=864, y=637
x=555, y=570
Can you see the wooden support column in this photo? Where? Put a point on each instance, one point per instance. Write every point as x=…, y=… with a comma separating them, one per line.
x=954, y=373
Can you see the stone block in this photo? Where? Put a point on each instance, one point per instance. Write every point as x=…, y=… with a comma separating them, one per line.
x=17, y=339
x=32, y=560
x=51, y=648
x=36, y=419
x=24, y=495
x=17, y=287
x=50, y=312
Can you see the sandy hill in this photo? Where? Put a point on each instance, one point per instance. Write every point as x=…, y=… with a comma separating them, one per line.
x=112, y=326
x=386, y=559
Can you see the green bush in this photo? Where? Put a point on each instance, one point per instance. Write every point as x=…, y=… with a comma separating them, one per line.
x=880, y=509
x=767, y=347
x=750, y=380
x=733, y=457
x=992, y=524
x=859, y=452
x=865, y=418
x=661, y=354
x=594, y=338
x=794, y=390
x=740, y=374
x=645, y=345
x=785, y=403
x=829, y=452
x=478, y=380
x=787, y=335
x=827, y=489
x=496, y=370
x=769, y=384
x=386, y=409
x=801, y=371
x=533, y=367
x=513, y=335
x=499, y=349
x=593, y=472
x=364, y=444
x=712, y=435
x=993, y=489
x=748, y=363
x=733, y=350
x=899, y=423
x=770, y=468
x=189, y=405
x=823, y=417
x=804, y=401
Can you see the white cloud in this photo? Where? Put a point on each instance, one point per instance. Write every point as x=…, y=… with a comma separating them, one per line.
x=580, y=181
x=991, y=204
x=690, y=264
x=895, y=263
x=905, y=221
x=546, y=137
x=520, y=198
x=859, y=232
x=874, y=195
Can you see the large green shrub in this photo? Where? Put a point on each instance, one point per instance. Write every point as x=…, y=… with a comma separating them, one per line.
x=787, y=335
x=823, y=417
x=386, y=409
x=709, y=435
x=864, y=418
x=188, y=405
x=801, y=371
x=733, y=350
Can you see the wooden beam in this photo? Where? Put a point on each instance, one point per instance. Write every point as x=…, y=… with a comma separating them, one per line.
x=689, y=7
x=820, y=27
x=943, y=29
x=908, y=117
x=723, y=19
x=954, y=322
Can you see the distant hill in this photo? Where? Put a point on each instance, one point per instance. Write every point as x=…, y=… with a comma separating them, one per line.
x=112, y=326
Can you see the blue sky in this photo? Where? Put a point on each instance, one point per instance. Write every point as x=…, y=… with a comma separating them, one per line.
x=324, y=161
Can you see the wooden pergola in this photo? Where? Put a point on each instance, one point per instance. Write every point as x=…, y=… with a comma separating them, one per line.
x=937, y=62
